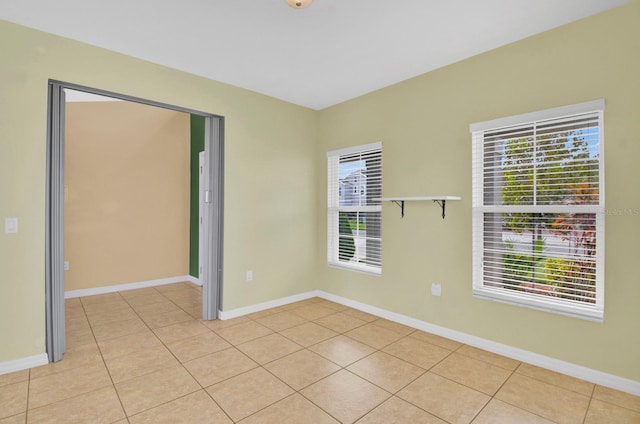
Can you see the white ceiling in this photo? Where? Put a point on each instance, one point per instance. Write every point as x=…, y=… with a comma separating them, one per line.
x=332, y=51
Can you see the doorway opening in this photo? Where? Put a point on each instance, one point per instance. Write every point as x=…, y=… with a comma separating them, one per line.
x=209, y=219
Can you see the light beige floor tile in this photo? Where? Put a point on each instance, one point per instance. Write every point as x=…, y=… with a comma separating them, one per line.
x=126, y=345
x=386, y=371
x=164, y=319
x=180, y=331
x=546, y=400
x=197, y=346
x=101, y=298
x=15, y=419
x=119, y=329
x=143, y=292
x=197, y=407
x=151, y=390
x=218, y=324
x=393, y=326
x=139, y=363
x=557, y=379
x=13, y=399
x=72, y=358
x=444, y=398
x=137, y=301
x=491, y=358
x=281, y=321
x=67, y=384
x=302, y=368
x=113, y=308
x=268, y=348
x=606, y=413
x=396, y=410
x=424, y=355
x=308, y=334
x=99, y=406
x=112, y=316
x=342, y=350
x=151, y=309
x=79, y=337
x=617, y=398
x=374, y=336
x=423, y=336
x=14, y=377
x=248, y=393
x=243, y=332
x=340, y=322
x=498, y=412
x=73, y=302
x=193, y=309
x=331, y=305
x=313, y=311
x=75, y=322
x=294, y=409
x=345, y=396
x=213, y=368
x=478, y=375
x=189, y=294
x=360, y=315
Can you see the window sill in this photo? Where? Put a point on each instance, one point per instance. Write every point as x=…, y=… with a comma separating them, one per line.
x=546, y=305
x=362, y=270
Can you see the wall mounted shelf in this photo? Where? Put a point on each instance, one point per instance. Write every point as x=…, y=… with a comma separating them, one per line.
x=440, y=200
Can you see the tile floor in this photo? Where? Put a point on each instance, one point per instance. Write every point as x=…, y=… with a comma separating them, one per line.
x=143, y=356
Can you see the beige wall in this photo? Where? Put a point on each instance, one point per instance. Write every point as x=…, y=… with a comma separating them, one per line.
x=270, y=174
x=126, y=193
x=424, y=126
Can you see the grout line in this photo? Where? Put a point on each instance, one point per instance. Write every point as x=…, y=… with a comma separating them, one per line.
x=104, y=362
x=26, y=412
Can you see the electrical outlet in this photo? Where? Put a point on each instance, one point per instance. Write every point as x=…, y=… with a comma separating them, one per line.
x=11, y=225
x=436, y=289
x=66, y=265
x=249, y=275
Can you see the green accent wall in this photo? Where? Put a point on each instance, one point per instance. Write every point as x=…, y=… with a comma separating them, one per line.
x=197, y=146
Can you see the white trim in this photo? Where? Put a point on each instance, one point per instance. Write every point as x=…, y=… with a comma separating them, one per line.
x=355, y=149
x=194, y=280
x=129, y=286
x=234, y=313
x=23, y=363
x=573, y=370
x=553, y=113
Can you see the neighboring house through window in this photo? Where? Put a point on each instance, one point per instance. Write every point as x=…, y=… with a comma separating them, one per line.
x=354, y=209
x=538, y=210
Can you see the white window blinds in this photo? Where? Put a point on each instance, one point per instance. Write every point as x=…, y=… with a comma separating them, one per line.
x=354, y=230
x=538, y=210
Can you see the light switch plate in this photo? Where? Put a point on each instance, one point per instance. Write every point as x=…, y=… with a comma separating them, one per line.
x=11, y=225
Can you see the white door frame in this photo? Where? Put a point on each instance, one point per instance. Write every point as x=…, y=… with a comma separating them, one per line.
x=212, y=214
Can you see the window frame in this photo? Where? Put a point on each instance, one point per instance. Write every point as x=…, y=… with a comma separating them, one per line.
x=334, y=208
x=574, y=308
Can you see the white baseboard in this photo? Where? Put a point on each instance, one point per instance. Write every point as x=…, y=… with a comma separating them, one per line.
x=23, y=363
x=193, y=280
x=578, y=371
x=234, y=313
x=130, y=286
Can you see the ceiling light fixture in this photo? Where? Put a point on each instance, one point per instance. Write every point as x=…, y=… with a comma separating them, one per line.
x=299, y=4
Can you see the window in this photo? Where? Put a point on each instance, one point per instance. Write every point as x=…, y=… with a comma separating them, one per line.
x=538, y=210
x=354, y=236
